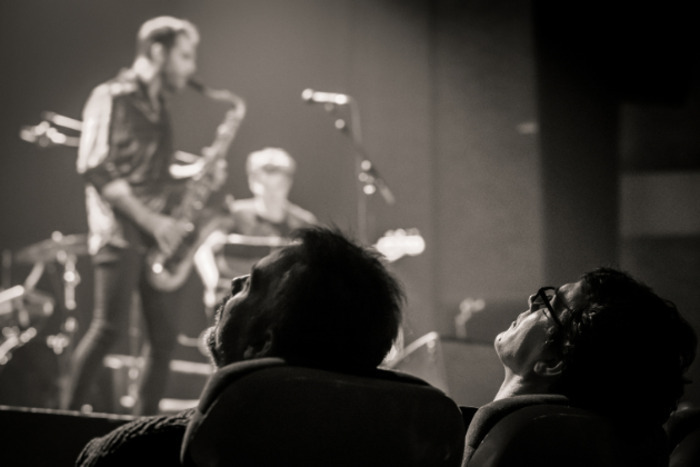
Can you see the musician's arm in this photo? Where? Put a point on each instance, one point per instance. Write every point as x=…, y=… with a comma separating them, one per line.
x=168, y=232
x=93, y=151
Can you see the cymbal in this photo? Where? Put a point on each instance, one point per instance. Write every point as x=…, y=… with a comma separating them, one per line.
x=50, y=249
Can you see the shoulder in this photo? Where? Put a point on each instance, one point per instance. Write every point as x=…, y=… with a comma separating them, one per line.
x=153, y=440
x=105, y=93
x=124, y=83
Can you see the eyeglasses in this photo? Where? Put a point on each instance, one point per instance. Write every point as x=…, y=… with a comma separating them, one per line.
x=544, y=296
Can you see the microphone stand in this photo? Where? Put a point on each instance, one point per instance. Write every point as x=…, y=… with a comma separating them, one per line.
x=369, y=181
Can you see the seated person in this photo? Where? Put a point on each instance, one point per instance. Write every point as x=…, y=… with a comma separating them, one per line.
x=262, y=223
x=309, y=303
x=606, y=343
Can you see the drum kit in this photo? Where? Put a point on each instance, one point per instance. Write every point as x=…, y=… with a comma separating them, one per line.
x=34, y=321
x=38, y=330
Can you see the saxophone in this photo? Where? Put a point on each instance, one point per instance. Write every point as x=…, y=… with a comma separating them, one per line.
x=168, y=273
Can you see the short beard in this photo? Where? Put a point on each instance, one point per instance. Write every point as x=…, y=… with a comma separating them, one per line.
x=209, y=343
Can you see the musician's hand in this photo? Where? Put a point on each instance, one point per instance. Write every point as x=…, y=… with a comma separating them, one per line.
x=169, y=233
x=219, y=171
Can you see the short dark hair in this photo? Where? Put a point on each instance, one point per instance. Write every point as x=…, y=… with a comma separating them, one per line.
x=163, y=30
x=625, y=349
x=338, y=307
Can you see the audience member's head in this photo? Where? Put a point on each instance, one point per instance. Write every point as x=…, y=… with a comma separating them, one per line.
x=322, y=301
x=607, y=342
x=270, y=173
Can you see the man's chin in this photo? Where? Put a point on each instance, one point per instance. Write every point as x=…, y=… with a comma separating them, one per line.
x=497, y=342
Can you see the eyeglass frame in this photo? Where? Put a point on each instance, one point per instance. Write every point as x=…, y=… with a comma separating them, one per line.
x=541, y=294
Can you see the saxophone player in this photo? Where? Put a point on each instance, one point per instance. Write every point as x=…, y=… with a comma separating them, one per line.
x=126, y=158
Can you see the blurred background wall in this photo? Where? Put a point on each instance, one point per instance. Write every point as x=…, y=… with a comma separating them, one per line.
x=527, y=142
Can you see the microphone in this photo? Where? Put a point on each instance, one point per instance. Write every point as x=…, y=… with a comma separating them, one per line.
x=317, y=97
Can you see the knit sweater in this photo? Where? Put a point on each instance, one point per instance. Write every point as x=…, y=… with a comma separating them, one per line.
x=153, y=440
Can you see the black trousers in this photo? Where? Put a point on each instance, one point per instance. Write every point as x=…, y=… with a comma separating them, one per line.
x=118, y=273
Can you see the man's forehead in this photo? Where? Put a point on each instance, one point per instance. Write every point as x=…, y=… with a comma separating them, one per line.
x=570, y=289
x=266, y=261
x=277, y=261
x=571, y=293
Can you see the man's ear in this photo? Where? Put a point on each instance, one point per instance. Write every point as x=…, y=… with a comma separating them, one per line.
x=260, y=349
x=548, y=368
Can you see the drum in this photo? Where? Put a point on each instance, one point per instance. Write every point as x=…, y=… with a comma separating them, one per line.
x=29, y=365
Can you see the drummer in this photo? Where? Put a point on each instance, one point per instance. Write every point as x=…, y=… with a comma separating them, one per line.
x=258, y=224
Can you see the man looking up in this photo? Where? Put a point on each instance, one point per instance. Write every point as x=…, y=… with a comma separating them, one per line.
x=607, y=342
x=321, y=302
